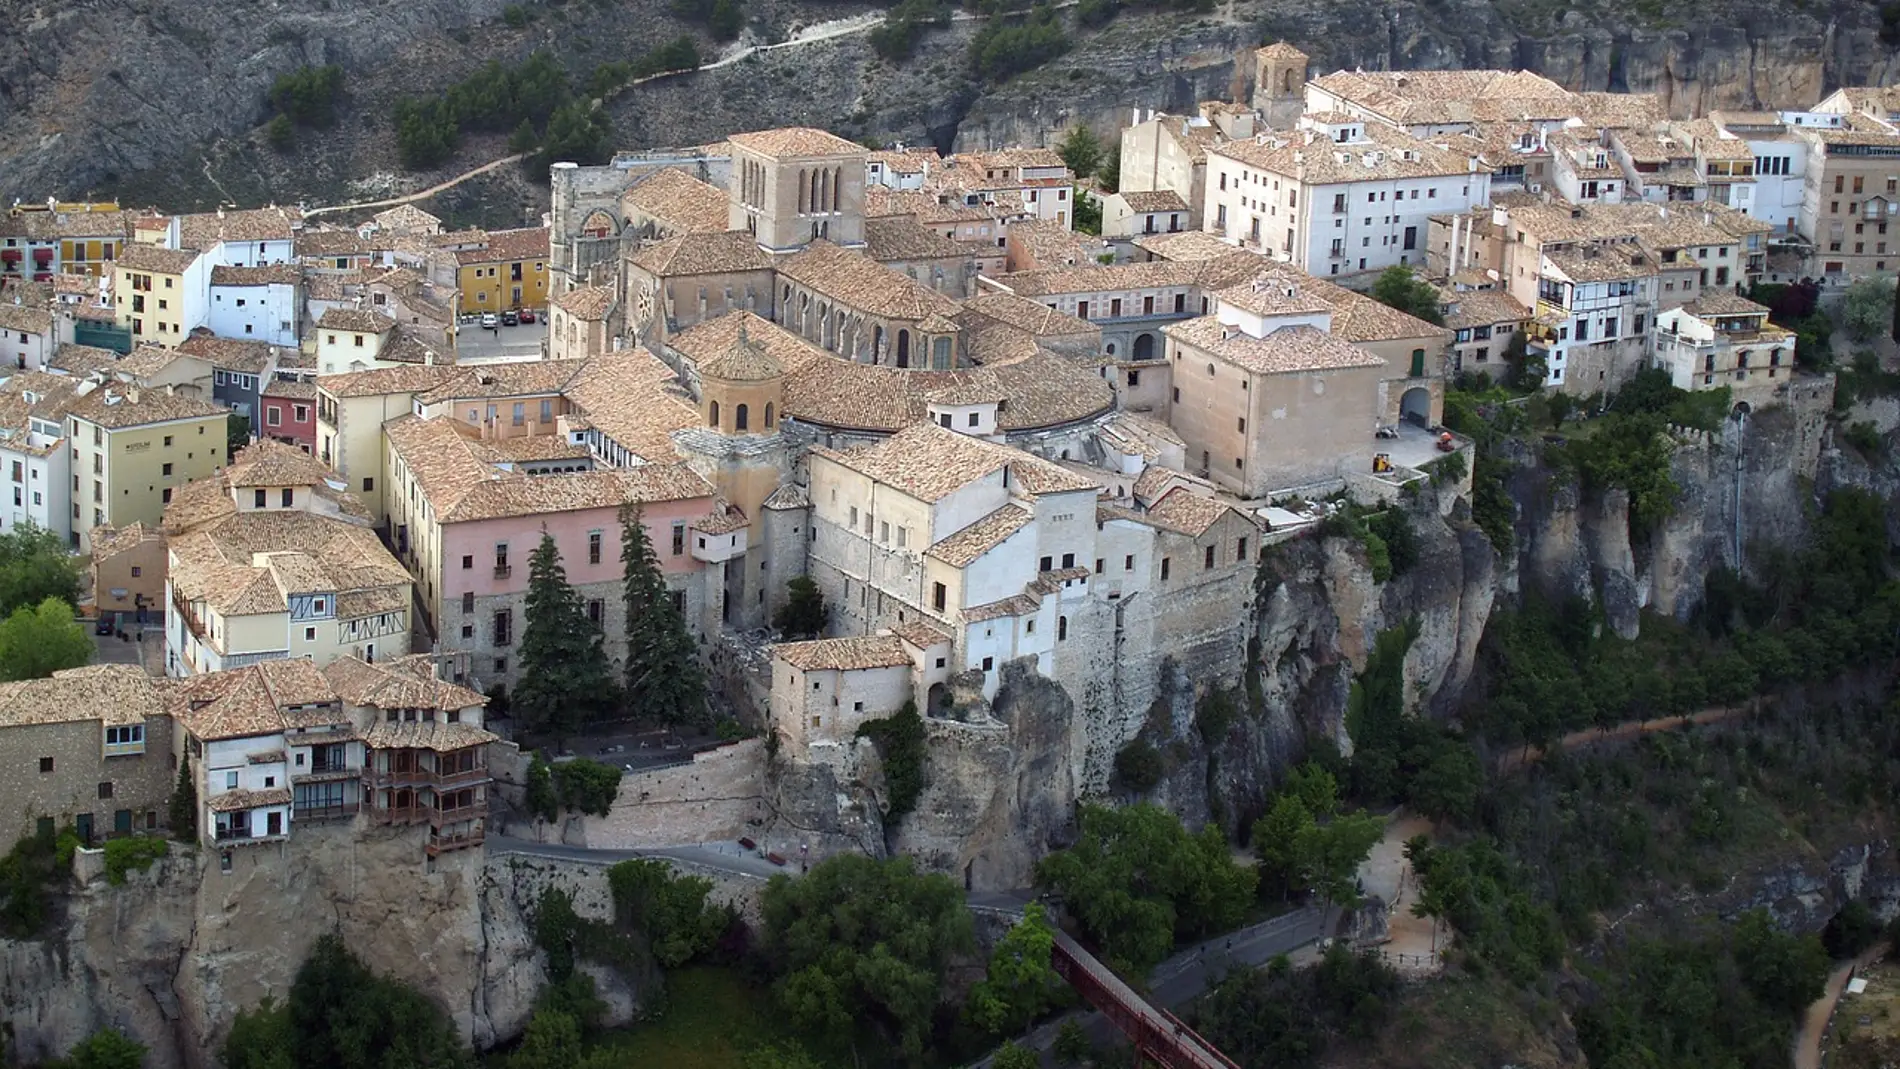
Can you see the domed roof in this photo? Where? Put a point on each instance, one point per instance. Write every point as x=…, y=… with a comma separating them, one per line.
x=744, y=361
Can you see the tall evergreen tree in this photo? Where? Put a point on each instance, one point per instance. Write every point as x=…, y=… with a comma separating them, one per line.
x=564, y=676
x=663, y=676
x=184, y=805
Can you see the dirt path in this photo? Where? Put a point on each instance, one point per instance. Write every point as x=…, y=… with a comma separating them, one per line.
x=1577, y=740
x=1409, y=944
x=1807, y=1041
x=410, y=198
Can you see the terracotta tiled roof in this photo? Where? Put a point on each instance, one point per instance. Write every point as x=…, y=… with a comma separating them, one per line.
x=240, y=800
x=115, y=405
x=1154, y=200
x=1031, y=317
x=1273, y=297
x=924, y=460
x=702, y=254
x=271, y=275
x=1718, y=302
x=627, y=397
x=252, y=701
x=508, y=246
x=1187, y=245
x=229, y=354
x=1309, y=156
x=296, y=389
x=147, y=359
x=745, y=360
x=110, y=693
x=202, y=230
x=525, y=378
x=1189, y=513
x=679, y=202
x=140, y=257
x=1014, y=605
x=796, y=141
x=1283, y=351
x=413, y=378
x=405, y=684
x=963, y=548
x=437, y=735
x=587, y=302
x=80, y=359
x=461, y=487
x=1043, y=390
x=1483, y=308
x=919, y=633
x=407, y=218
x=271, y=463
x=1280, y=50
x=108, y=541
x=862, y=283
x=843, y=654
x=902, y=238
x=360, y=320
x=25, y=319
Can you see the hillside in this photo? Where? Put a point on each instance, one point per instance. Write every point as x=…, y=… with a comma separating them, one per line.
x=160, y=101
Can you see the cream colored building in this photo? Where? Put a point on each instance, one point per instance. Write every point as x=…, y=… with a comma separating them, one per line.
x=128, y=570
x=582, y=323
x=133, y=447
x=88, y=747
x=824, y=690
x=791, y=186
x=268, y=561
x=161, y=294
x=1722, y=340
x=351, y=411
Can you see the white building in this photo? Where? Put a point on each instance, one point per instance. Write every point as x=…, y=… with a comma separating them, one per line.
x=28, y=337
x=1722, y=340
x=1781, y=166
x=35, y=464
x=255, y=303
x=1338, y=196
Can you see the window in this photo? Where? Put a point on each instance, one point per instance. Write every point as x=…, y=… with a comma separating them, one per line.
x=287, y=496
x=309, y=634
x=468, y=561
x=504, y=626
x=258, y=497
x=679, y=539
x=938, y=596
x=369, y=485
x=1207, y=557
x=105, y=789
x=596, y=611
x=501, y=558
x=1046, y=564
x=1128, y=563
x=989, y=663
x=1164, y=567
x=593, y=547
x=46, y=764
x=1062, y=628
x=230, y=781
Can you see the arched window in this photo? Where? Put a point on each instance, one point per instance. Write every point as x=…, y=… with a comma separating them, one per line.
x=739, y=418
x=770, y=422
x=1144, y=347
x=903, y=348
x=712, y=414
x=1286, y=81
x=940, y=354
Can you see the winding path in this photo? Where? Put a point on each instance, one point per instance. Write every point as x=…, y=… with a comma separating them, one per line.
x=813, y=34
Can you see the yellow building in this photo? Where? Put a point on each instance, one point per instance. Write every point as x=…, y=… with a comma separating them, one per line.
x=160, y=295
x=510, y=271
x=132, y=447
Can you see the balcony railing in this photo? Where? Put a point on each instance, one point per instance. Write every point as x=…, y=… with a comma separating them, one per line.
x=325, y=812
x=425, y=777
x=439, y=817
x=442, y=844
x=399, y=814
x=503, y=571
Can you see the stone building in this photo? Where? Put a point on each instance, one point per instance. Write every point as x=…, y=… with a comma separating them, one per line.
x=824, y=690
x=1279, y=85
x=1722, y=340
x=791, y=186
x=87, y=747
x=582, y=322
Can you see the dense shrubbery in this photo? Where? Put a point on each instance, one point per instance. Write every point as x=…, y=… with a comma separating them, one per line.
x=1138, y=765
x=307, y=96
x=723, y=19
x=1138, y=882
x=1006, y=47
x=340, y=1015
x=581, y=785
x=134, y=854
x=1285, y=1019
x=900, y=741
x=28, y=874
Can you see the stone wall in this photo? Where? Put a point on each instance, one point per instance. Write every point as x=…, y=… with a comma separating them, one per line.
x=720, y=794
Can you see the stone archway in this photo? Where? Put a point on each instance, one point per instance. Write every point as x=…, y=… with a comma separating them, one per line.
x=1415, y=406
x=1144, y=346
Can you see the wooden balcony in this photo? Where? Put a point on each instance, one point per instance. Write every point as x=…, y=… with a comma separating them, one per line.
x=442, y=844
x=400, y=814
x=475, y=810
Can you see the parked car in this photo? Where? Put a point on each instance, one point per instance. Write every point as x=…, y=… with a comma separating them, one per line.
x=527, y=315
x=489, y=322
x=510, y=318
x=107, y=623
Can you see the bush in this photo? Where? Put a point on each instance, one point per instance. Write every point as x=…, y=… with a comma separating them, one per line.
x=307, y=96
x=1850, y=931
x=587, y=786
x=900, y=741
x=1864, y=437
x=280, y=133
x=1138, y=765
x=28, y=874
x=1002, y=49
x=133, y=854
x=516, y=16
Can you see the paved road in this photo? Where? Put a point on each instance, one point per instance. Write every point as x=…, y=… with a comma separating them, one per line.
x=726, y=857
x=1176, y=981
x=1807, y=1039
x=407, y=198
x=474, y=345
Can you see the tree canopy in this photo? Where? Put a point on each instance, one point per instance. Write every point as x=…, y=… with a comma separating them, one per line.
x=864, y=940
x=1306, y=845
x=35, y=565
x=664, y=680
x=36, y=642
x=1081, y=150
x=565, y=679
x=1400, y=287
x=804, y=613
x=1021, y=983
x=1867, y=308
x=341, y=1015
x=1138, y=882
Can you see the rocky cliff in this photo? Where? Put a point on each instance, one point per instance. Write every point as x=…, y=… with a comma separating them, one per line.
x=173, y=955
x=160, y=99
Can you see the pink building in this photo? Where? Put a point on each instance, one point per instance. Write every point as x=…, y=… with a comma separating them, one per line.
x=465, y=515
x=289, y=413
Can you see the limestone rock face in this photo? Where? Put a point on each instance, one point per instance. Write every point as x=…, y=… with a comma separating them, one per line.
x=177, y=952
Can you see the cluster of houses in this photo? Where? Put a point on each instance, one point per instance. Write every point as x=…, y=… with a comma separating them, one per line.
x=988, y=438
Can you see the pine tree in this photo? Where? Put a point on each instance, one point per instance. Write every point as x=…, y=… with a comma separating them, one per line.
x=564, y=676
x=663, y=676
x=184, y=805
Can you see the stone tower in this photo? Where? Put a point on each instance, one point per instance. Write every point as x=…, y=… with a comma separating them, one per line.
x=1279, y=88
x=792, y=185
